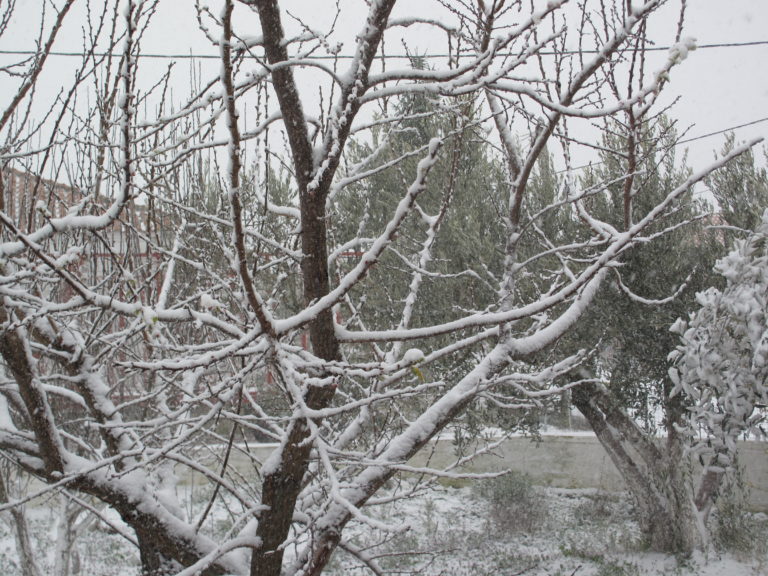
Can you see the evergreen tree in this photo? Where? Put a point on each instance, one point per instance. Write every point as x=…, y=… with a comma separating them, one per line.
x=633, y=385
x=740, y=189
x=654, y=284
x=460, y=200
x=638, y=306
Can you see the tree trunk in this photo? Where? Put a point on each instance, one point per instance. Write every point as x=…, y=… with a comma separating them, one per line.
x=281, y=487
x=655, y=477
x=66, y=560
x=23, y=542
x=153, y=561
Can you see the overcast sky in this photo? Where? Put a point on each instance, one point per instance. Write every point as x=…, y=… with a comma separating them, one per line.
x=724, y=87
x=718, y=88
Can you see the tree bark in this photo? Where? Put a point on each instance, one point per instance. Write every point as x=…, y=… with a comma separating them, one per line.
x=281, y=488
x=655, y=478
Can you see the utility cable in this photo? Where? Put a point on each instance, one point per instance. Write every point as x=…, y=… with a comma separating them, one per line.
x=676, y=144
x=191, y=56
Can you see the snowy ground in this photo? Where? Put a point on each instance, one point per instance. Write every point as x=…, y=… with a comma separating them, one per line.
x=456, y=532
x=551, y=532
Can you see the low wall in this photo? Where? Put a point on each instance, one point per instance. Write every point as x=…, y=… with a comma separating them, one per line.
x=581, y=462
x=563, y=462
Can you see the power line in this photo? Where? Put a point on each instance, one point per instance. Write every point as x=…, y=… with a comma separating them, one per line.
x=693, y=139
x=676, y=144
x=190, y=56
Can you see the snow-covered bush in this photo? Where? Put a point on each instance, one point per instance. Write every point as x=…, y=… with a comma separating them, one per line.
x=733, y=527
x=514, y=504
x=722, y=362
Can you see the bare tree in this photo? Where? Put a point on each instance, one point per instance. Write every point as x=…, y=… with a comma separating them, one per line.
x=27, y=557
x=181, y=293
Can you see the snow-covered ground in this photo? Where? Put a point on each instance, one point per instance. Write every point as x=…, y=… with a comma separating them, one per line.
x=552, y=532
x=456, y=531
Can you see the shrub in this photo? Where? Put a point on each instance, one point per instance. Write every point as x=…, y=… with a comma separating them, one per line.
x=513, y=502
x=730, y=532
x=734, y=528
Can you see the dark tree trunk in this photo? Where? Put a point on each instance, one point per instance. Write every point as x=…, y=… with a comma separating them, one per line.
x=153, y=561
x=281, y=487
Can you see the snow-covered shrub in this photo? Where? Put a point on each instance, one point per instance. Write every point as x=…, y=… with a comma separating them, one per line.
x=617, y=568
x=514, y=504
x=598, y=508
x=722, y=362
x=733, y=527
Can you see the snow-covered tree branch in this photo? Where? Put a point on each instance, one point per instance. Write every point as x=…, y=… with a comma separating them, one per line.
x=182, y=278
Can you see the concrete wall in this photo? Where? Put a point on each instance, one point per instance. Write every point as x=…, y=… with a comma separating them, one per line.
x=562, y=462
x=581, y=462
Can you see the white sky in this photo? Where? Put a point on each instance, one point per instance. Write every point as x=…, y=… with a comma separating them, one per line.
x=723, y=87
x=718, y=88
